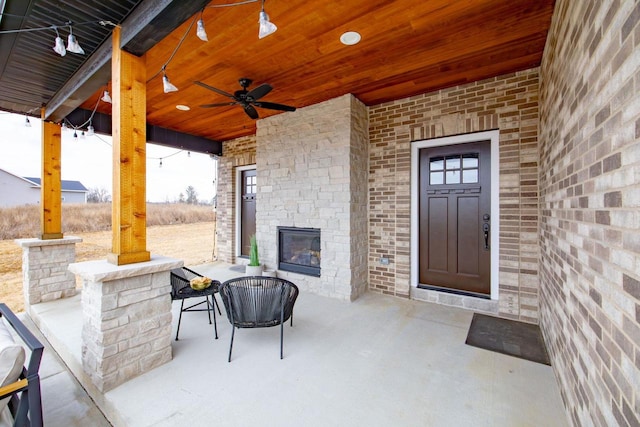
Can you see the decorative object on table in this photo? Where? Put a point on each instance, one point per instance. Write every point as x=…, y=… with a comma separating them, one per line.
x=182, y=288
x=200, y=283
x=254, y=268
x=258, y=302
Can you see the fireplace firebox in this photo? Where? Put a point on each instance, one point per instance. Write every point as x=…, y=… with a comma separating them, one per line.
x=299, y=250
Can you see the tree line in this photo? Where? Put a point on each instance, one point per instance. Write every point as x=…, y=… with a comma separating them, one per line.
x=189, y=196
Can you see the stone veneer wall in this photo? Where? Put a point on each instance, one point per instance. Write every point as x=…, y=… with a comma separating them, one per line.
x=312, y=172
x=590, y=199
x=237, y=152
x=508, y=103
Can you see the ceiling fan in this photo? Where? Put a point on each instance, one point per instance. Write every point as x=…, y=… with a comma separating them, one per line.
x=247, y=99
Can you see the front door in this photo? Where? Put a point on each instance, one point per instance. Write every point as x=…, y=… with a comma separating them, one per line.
x=455, y=218
x=248, y=210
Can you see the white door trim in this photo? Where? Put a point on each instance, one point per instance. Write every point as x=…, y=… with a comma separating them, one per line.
x=494, y=137
x=238, y=195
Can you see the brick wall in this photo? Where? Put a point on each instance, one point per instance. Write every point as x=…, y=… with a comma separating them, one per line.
x=237, y=152
x=508, y=103
x=590, y=200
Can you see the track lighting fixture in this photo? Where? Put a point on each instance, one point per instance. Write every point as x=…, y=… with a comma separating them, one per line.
x=75, y=134
x=266, y=27
x=160, y=162
x=27, y=123
x=106, y=97
x=167, y=85
x=82, y=135
x=72, y=44
x=90, y=130
x=59, y=45
x=64, y=126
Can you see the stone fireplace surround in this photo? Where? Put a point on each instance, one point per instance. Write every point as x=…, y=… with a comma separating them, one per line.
x=312, y=169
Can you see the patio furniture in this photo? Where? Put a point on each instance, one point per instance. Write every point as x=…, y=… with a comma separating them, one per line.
x=20, y=403
x=181, y=290
x=258, y=302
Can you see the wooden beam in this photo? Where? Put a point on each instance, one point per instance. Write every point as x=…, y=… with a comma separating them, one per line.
x=51, y=183
x=129, y=208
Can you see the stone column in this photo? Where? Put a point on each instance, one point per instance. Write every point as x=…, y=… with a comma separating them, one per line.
x=45, y=274
x=126, y=310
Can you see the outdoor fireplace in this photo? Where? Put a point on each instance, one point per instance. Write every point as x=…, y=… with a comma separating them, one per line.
x=299, y=250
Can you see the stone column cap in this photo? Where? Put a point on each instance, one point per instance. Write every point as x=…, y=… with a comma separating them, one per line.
x=103, y=271
x=34, y=242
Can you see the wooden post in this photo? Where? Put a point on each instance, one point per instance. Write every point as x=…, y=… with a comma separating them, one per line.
x=129, y=209
x=51, y=183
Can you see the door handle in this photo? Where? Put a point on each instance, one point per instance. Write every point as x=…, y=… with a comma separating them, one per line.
x=485, y=229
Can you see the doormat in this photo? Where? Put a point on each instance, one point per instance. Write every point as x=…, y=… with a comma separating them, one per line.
x=238, y=267
x=510, y=337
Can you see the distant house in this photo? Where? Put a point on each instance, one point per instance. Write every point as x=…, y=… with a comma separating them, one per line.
x=16, y=190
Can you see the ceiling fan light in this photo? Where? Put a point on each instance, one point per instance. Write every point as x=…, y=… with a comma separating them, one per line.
x=266, y=27
x=201, y=32
x=72, y=44
x=59, y=47
x=106, y=97
x=167, y=85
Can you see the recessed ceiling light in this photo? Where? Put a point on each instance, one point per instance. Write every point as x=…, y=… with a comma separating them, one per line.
x=350, y=38
x=183, y=107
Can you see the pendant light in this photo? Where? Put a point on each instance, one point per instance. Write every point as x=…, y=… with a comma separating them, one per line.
x=266, y=27
x=59, y=45
x=200, y=31
x=72, y=44
x=106, y=97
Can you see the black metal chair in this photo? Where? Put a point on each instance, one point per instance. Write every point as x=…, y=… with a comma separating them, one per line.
x=181, y=290
x=258, y=302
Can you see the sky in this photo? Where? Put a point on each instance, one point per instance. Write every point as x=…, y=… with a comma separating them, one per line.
x=89, y=161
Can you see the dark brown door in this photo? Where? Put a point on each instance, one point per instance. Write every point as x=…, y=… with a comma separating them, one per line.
x=248, y=214
x=455, y=217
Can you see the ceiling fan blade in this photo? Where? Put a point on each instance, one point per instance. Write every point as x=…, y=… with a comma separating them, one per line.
x=251, y=112
x=274, y=106
x=219, y=104
x=260, y=91
x=221, y=92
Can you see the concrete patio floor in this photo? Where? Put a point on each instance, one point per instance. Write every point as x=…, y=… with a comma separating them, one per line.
x=379, y=361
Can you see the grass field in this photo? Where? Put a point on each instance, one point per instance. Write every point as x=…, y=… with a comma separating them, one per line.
x=191, y=242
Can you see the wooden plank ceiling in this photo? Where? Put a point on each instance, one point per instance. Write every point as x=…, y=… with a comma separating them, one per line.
x=408, y=47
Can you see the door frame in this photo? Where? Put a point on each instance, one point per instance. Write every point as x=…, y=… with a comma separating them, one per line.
x=416, y=146
x=238, y=195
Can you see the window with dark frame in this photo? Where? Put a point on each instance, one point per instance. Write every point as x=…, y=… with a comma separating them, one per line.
x=454, y=169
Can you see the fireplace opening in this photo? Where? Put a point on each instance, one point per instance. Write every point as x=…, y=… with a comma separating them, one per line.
x=299, y=250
